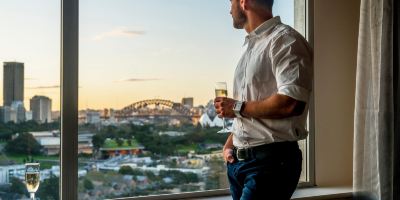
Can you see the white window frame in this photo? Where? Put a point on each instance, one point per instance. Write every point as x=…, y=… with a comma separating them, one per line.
x=310, y=142
x=69, y=110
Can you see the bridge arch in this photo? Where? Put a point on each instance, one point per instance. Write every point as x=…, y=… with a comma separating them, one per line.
x=141, y=104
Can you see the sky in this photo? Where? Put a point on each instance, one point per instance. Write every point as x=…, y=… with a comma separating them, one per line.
x=129, y=50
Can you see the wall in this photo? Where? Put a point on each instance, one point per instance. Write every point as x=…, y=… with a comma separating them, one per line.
x=335, y=50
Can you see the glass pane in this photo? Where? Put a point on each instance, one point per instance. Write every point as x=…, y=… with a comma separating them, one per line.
x=29, y=108
x=148, y=70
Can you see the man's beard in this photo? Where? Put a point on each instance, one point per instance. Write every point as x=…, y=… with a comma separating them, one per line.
x=240, y=20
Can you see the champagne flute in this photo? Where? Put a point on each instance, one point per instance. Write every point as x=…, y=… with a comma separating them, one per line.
x=221, y=90
x=32, y=178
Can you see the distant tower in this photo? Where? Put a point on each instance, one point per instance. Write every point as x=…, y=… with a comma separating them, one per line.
x=41, y=109
x=187, y=102
x=7, y=114
x=18, y=107
x=13, y=84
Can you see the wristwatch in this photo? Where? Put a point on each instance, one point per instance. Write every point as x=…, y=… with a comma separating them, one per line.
x=238, y=108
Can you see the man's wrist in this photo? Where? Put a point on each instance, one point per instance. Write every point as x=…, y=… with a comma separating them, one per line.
x=242, y=109
x=238, y=108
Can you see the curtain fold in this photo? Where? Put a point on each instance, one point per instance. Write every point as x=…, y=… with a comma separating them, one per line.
x=374, y=117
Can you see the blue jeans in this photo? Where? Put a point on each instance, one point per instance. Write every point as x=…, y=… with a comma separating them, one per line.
x=271, y=177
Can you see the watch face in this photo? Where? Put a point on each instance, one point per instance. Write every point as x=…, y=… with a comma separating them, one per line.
x=237, y=106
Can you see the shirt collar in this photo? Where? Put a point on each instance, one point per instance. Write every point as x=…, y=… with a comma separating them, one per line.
x=262, y=28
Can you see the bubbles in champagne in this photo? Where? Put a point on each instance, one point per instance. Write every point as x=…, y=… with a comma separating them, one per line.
x=32, y=181
x=221, y=93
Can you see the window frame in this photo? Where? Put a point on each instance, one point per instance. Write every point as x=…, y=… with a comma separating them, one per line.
x=310, y=142
x=69, y=110
x=69, y=99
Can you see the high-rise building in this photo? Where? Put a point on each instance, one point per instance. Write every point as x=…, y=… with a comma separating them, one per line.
x=8, y=114
x=13, y=85
x=93, y=117
x=41, y=109
x=18, y=107
x=28, y=115
x=187, y=102
x=3, y=114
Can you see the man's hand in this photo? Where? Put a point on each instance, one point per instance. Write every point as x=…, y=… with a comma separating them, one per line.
x=228, y=155
x=227, y=151
x=224, y=107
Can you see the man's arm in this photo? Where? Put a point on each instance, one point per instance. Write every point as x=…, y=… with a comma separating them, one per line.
x=276, y=106
x=228, y=149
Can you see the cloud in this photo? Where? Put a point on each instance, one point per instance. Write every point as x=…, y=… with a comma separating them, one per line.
x=45, y=87
x=138, y=80
x=118, y=32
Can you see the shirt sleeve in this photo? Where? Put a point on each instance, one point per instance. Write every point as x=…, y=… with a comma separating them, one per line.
x=292, y=62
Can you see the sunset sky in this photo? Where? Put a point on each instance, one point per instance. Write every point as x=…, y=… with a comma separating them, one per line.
x=130, y=50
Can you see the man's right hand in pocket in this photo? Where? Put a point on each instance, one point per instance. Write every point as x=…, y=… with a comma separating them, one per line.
x=228, y=155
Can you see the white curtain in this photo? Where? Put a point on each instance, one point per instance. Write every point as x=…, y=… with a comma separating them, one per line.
x=374, y=110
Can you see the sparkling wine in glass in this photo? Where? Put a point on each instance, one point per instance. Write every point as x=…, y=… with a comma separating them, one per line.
x=221, y=90
x=32, y=178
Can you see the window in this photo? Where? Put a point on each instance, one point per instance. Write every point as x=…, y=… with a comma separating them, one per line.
x=147, y=74
x=30, y=96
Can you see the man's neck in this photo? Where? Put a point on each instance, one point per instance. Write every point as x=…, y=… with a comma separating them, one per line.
x=254, y=21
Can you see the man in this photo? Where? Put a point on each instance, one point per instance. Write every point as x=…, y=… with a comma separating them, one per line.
x=272, y=86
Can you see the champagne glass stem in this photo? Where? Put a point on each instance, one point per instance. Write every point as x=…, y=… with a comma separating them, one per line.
x=223, y=123
x=32, y=195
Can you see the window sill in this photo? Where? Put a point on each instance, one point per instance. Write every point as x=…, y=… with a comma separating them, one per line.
x=315, y=193
x=318, y=193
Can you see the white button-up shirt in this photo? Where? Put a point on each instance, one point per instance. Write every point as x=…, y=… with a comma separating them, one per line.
x=278, y=60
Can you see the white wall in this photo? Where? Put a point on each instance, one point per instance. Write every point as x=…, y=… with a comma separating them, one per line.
x=335, y=50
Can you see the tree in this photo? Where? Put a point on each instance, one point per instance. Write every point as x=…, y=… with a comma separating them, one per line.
x=48, y=189
x=10, y=128
x=17, y=186
x=192, y=177
x=87, y=184
x=98, y=141
x=129, y=140
x=126, y=170
x=151, y=176
x=119, y=141
x=180, y=177
x=25, y=144
x=5, y=134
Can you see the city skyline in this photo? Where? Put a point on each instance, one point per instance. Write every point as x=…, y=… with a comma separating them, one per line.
x=139, y=50
x=13, y=82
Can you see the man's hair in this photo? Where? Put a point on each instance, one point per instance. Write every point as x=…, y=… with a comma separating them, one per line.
x=265, y=3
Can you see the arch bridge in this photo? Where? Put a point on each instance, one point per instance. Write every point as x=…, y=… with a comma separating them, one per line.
x=144, y=103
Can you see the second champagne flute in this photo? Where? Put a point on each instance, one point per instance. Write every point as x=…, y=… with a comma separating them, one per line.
x=32, y=178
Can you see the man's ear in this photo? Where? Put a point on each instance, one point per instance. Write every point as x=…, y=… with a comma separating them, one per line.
x=244, y=4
